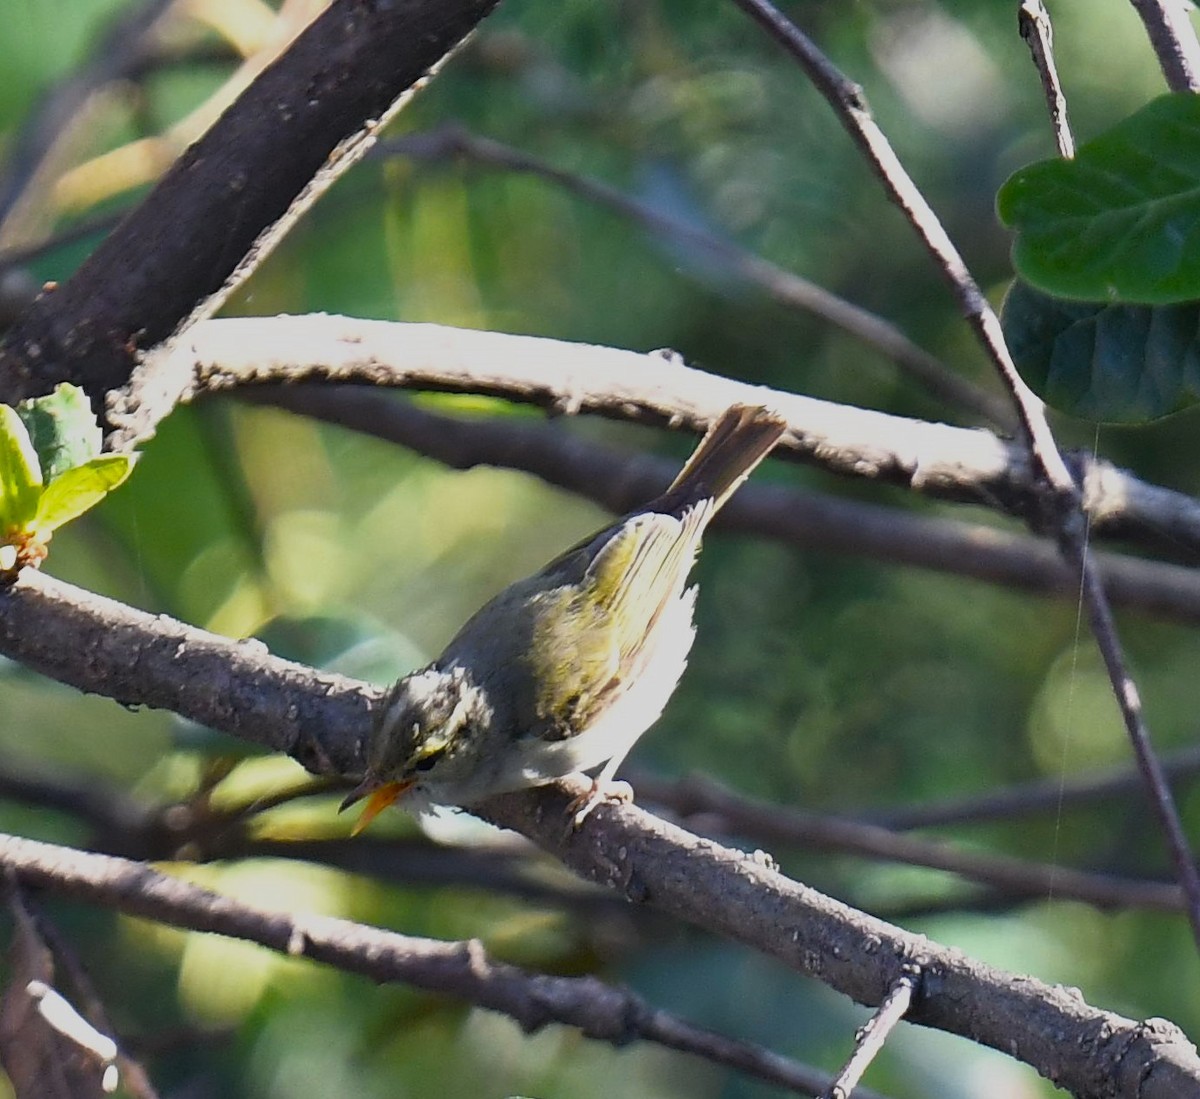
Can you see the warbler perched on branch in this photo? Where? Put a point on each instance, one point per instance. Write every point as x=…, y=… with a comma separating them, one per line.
x=565, y=670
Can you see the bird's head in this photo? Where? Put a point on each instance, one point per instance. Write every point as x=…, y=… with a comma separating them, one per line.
x=424, y=722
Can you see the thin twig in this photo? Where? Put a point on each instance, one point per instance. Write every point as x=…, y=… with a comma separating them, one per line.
x=785, y=287
x=709, y=807
x=850, y=105
x=46, y=1046
x=305, y=788
x=178, y=832
x=122, y=49
x=1033, y=21
x=1047, y=795
x=135, y=1079
x=871, y=1036
x=1173, y=37
x=1061, y=503
x=461, y=969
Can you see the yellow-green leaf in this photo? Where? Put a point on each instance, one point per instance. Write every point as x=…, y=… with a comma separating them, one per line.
x=72, y=493
x=20, y=473
x=62, y=428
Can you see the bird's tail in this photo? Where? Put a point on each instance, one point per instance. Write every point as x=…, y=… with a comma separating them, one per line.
x=740, y=438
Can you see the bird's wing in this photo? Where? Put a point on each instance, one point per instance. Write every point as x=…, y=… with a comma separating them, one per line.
x=641, y=569
x=590, y=646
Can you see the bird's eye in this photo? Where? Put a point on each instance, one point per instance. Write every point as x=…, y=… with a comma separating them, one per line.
x=426, y=763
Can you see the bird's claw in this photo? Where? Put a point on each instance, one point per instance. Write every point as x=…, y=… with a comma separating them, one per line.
x=580, y=808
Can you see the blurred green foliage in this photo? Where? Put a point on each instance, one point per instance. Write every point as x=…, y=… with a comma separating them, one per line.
x=818, y=680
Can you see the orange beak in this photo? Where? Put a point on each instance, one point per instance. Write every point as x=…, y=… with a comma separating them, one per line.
x=378, y=799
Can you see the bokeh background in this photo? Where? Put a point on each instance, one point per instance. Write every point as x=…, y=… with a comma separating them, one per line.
x=819, y=680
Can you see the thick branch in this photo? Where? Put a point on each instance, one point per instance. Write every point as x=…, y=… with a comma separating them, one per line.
x=315, y=109
x=744, y=898
x=963, y=464
x=242, y=690
x=103, y=647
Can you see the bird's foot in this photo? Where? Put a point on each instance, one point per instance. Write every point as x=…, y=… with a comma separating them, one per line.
x=580, y=808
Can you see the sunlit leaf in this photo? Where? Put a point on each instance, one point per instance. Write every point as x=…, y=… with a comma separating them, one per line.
x=72, y=493
x=63, y=429
x=1121, y=221
x=1113, y=363
x=20, y=474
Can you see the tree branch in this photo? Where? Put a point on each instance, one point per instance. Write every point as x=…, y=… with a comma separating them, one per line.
x=744, y=898
x=967, y=465
x=1048, y=795
x=123, y=48
x=784, y=287
x=1169, y=27
x=103, y=647
x=461, y=969
x=1034, y=23
x=870, y=1038
x=807, y=520
x=717, y=809
x=196, y=830
x=301, y=123
x=321, y=720
x=1062, y=505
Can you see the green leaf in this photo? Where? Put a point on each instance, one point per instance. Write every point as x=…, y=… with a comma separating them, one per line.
x=63, y=429
x=1120, y=222
x=72, y=493
x=20, y=474
x=1113, y=363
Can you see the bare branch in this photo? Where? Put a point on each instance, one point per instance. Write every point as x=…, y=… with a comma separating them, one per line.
x=205, y=833
x=870, y=1038
x=1049, y=795
x=744, y=898
x=307, y=118
x=709, y=807
x=783, y=286
x=1061, y=502
x=850, y=105
x=460, y=969
x=104, y=647
x=1174, y=40
x=31, y=160
x=134, y=1076
x=43, y=1060
x=807, y=520
x=322, y=720
x=1034, y=22
x=962, y=464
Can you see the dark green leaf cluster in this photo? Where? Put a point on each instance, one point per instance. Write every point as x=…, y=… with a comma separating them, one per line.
x=1102, y=321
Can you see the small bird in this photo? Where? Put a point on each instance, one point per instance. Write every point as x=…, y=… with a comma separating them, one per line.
x=563, y=671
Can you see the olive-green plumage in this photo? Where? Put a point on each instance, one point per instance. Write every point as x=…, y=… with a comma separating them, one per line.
x=564, y=670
